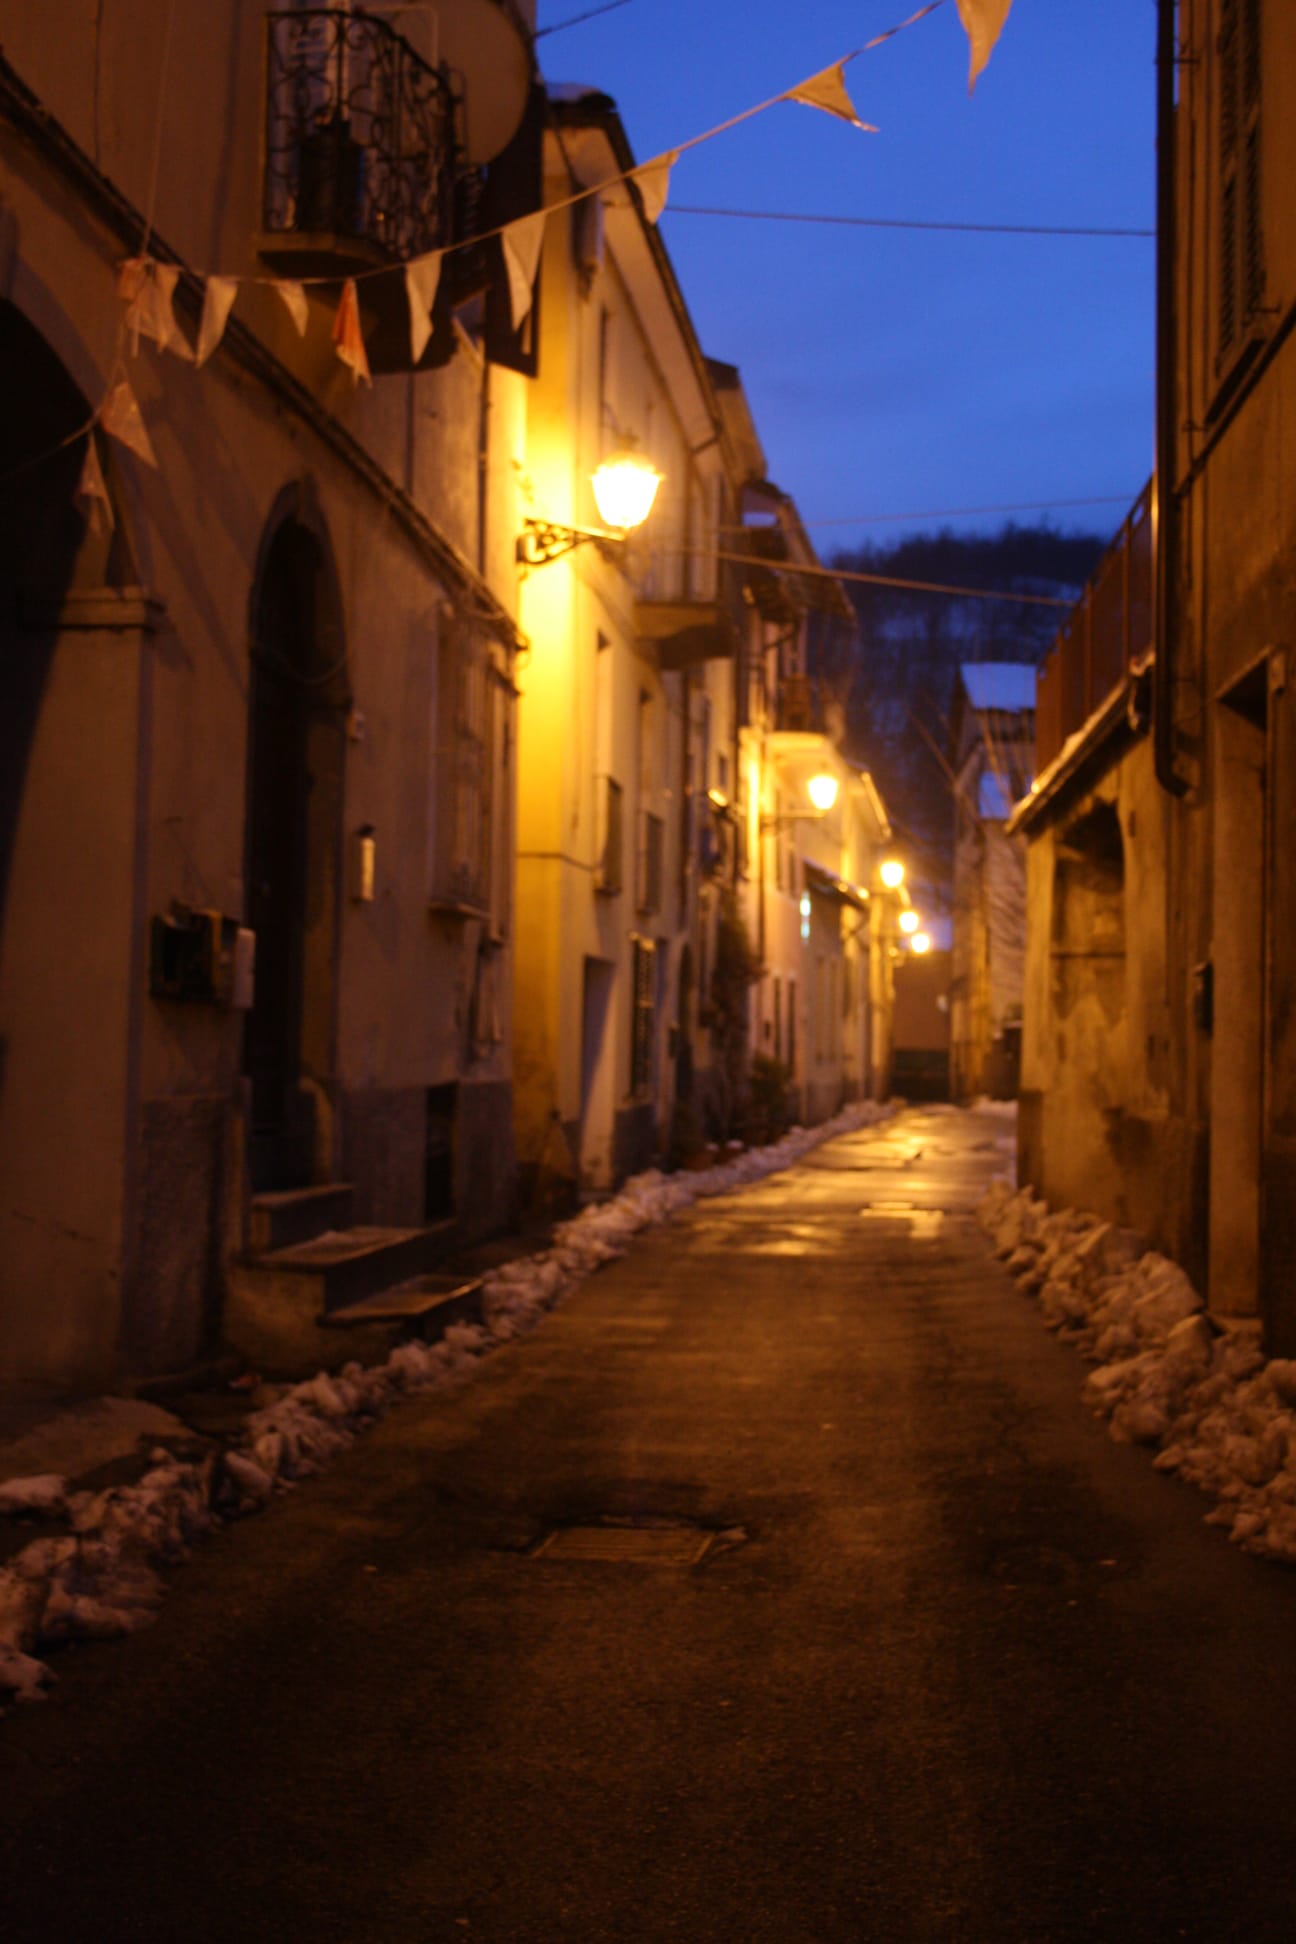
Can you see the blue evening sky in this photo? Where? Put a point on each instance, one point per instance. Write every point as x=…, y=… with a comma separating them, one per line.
x=893, y=372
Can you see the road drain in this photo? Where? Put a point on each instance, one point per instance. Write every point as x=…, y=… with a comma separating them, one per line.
x=656, y=1544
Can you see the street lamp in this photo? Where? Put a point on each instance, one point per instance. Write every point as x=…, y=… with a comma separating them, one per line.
x=920, y=943
x=625, y=487
x=892, y=873
x=822, y=791
x=909, y=921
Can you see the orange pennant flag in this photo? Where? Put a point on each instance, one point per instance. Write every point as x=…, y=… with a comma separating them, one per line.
x=348, y=336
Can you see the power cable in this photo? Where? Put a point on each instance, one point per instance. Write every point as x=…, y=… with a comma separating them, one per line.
x=906, y=223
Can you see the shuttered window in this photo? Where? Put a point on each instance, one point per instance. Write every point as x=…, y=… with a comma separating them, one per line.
x=1241, y=242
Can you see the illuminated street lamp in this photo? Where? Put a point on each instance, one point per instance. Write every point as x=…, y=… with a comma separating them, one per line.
x=625, y=487
x=908, y=921
x=920, y=943
x=822, y=791
x=892, y=873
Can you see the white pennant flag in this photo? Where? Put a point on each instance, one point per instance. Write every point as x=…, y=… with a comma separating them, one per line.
x=148, y=290
x=522, y=241
x=654, y=183
x=218, y=301
x=92, y=494
x=120, y=415
x=421, y=280
x=293, y=298
x=828, y=91
x=983, y=22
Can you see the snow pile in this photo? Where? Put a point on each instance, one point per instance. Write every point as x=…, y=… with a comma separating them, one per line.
x=101, y=1579
x=1222, y=1416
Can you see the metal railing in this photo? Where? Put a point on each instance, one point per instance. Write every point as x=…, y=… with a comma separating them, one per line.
x=360, y=134
x=1110, y=628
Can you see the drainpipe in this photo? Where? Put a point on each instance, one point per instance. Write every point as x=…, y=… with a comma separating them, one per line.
x=1165, y=530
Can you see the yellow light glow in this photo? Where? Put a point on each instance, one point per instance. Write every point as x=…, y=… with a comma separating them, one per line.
x=625, y=487
x=920, y=943
x=822, y=791
x=717, y=799
x=892, y=873
x=908, y=921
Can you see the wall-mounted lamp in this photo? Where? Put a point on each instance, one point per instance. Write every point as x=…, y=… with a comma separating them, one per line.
x=892, y=873
x=909, y=921
x=625, y=487
x=822, y=792
x=920, y=943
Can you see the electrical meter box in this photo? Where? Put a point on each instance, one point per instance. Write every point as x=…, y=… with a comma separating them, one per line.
x=200, y=957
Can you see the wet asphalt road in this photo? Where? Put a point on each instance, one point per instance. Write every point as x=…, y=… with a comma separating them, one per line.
x=958, y=1668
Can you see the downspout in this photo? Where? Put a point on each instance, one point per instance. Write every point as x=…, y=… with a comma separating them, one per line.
x=1165, y=529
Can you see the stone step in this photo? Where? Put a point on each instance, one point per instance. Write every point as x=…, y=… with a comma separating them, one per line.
x=282, y=1217
x=275, y=1302
x=428, y=1304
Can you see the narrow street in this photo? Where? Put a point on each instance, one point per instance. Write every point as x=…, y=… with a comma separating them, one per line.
x=952, y=1665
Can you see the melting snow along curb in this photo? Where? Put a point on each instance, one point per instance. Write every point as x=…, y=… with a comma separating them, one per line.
x=101, y=1579
x=1223, y=1417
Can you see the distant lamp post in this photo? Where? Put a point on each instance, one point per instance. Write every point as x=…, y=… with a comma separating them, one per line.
x=892, y=873
x=920, y=943
x=625, y=487
x=909, y=921
x=822, y=791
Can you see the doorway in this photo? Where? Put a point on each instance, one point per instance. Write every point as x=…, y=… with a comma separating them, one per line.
x=296, y=745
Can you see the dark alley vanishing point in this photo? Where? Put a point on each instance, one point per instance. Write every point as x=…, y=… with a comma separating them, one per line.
x=779, y=1588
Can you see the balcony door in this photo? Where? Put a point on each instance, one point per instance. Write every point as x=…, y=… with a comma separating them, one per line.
x=294, y=818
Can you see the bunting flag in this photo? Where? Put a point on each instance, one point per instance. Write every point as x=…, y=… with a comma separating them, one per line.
x=521, y=242
x=983, y=22
x=347, y=335
x=654, y=183
x=828, y=91
x=421, y=280
x=91, y=493
x=120, y=415
x=218, y=301
x=147, y=288
x=293, y=298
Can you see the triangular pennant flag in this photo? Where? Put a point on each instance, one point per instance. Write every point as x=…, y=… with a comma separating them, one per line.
x=654, y=183
x=293, y=298
x=421, y=280
x=91, y=493
x=828, y=91
x=147, y=289
x=522, y=241
x=348, y=336
x=120, y=415
x=983, y=22
x=218, y=300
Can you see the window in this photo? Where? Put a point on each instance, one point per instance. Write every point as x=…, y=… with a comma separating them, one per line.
x=643, y=1013
x=1241, y=253
x=470, y=705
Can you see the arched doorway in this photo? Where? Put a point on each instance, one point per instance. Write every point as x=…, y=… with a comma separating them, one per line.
x=299, y=695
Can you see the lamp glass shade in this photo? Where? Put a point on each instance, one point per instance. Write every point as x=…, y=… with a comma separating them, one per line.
x=822, y=791
x=892, y=873
x=625, y=487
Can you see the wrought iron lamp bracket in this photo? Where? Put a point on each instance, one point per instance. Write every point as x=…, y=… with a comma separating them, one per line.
x=541, y=541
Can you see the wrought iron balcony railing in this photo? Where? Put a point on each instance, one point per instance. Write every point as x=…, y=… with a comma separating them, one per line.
x=361, y=142
x=1109, y=629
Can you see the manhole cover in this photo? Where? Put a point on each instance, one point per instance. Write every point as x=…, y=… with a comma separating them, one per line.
x=635, y=1545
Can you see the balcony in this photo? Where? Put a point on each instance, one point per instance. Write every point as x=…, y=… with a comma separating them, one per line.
x=362, y=145
x=689, y=631
x=1110, y=629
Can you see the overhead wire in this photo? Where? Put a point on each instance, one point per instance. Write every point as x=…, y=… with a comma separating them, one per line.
x=908, y=223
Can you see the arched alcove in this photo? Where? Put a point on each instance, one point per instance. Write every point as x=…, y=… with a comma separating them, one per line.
x=299, y=693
